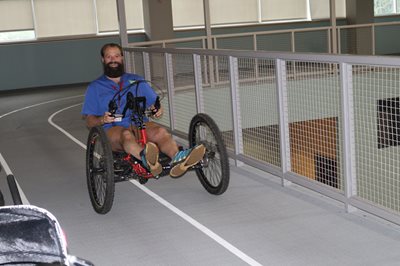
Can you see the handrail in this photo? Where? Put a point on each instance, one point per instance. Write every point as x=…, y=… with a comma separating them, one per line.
x=293, y=41
x=163, y=42
x=309, y=57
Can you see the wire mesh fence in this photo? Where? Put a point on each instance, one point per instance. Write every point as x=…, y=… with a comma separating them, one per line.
x=308, y=99
x=155, y=64
x=259, y=110
x=314, y=123
x=184, y=99
x=217, y=95
x=377, y=131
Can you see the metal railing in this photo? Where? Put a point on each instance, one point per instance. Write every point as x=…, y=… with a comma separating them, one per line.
x=327, y=122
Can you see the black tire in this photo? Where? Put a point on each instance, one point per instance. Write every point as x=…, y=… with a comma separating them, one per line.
x=100, y=171
x=12, y=184
x=214, y=175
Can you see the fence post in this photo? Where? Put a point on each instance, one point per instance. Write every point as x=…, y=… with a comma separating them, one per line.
x=373, y=39
x=146, y=66
x=198, y=83
x=281, y=87
x=348, y=161
x=169, y=75
x=256, y=60
x=236, y=115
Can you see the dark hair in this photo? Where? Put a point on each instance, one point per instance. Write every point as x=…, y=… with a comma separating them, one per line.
x=105, y=46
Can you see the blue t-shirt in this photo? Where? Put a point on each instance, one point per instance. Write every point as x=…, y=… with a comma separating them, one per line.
x=102, y=90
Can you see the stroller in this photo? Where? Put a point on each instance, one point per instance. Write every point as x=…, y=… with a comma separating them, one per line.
x=31, y=235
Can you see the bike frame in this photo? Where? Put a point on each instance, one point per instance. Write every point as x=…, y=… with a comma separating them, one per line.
x=139, y=112
x=143, y=135
x=142, y=140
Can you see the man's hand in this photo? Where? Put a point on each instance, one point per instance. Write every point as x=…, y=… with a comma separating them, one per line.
x=157, y=113
x=107, y=118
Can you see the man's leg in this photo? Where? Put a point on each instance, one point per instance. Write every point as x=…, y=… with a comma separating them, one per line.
x=162, y=138
x=123, y=139
x=181, y=160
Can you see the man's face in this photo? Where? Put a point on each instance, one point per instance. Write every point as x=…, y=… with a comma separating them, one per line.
x=113, y=62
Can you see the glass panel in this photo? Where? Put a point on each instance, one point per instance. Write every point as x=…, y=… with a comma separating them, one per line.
x=383, y=7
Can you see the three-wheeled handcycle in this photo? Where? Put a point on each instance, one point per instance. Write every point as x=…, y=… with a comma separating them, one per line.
x=105, y=167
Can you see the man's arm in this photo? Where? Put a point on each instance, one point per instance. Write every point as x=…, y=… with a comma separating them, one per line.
x=94, y=121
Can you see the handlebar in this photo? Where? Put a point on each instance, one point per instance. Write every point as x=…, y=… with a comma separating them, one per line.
x=138, y=107
x=137, y=104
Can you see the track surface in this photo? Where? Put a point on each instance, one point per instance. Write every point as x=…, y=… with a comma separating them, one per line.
x=175, y=222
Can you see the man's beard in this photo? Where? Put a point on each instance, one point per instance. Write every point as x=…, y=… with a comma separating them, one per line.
x=113, y=72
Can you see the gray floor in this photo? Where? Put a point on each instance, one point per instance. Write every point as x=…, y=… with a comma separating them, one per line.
x=178, y=222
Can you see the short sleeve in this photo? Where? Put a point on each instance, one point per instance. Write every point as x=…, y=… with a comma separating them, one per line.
x=91, y=104
x=148, y=92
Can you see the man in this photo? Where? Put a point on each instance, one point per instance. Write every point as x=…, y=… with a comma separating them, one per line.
x=114, y=86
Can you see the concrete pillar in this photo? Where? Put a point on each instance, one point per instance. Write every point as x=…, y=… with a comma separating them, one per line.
x=360, y=12
x=158, y=25
x=157, y=16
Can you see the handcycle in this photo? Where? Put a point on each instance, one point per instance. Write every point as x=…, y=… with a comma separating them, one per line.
x=105, y=167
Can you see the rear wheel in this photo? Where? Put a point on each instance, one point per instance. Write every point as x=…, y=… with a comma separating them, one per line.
x=214, y=175
x=100, y=171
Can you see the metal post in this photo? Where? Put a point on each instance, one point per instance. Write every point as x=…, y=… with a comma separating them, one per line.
x=339, y=49
x=348, y=134
x=170, y=86
x=283, y=118
x=292, y=42
x=236, y=116
x=198, y=84
x=373, y=39
x=256, y=60
x=332, y=13
x=207, y=22
x=146, y=66
x=207, y=25
x=123, y=31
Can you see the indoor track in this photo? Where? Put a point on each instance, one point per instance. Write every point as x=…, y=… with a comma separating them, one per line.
x=175, y=222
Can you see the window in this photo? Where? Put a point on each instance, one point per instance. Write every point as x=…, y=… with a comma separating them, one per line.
x=31, y=19
x=12, y=36
x=107, y=15
x=35, y=19
x=386, y=7
x=283, y=9
x=227, y=12
x=63, y=18
x=16, y=20
x=320, y=9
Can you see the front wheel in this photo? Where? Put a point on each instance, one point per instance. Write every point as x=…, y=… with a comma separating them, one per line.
x=214, y=174
x=100, y=171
